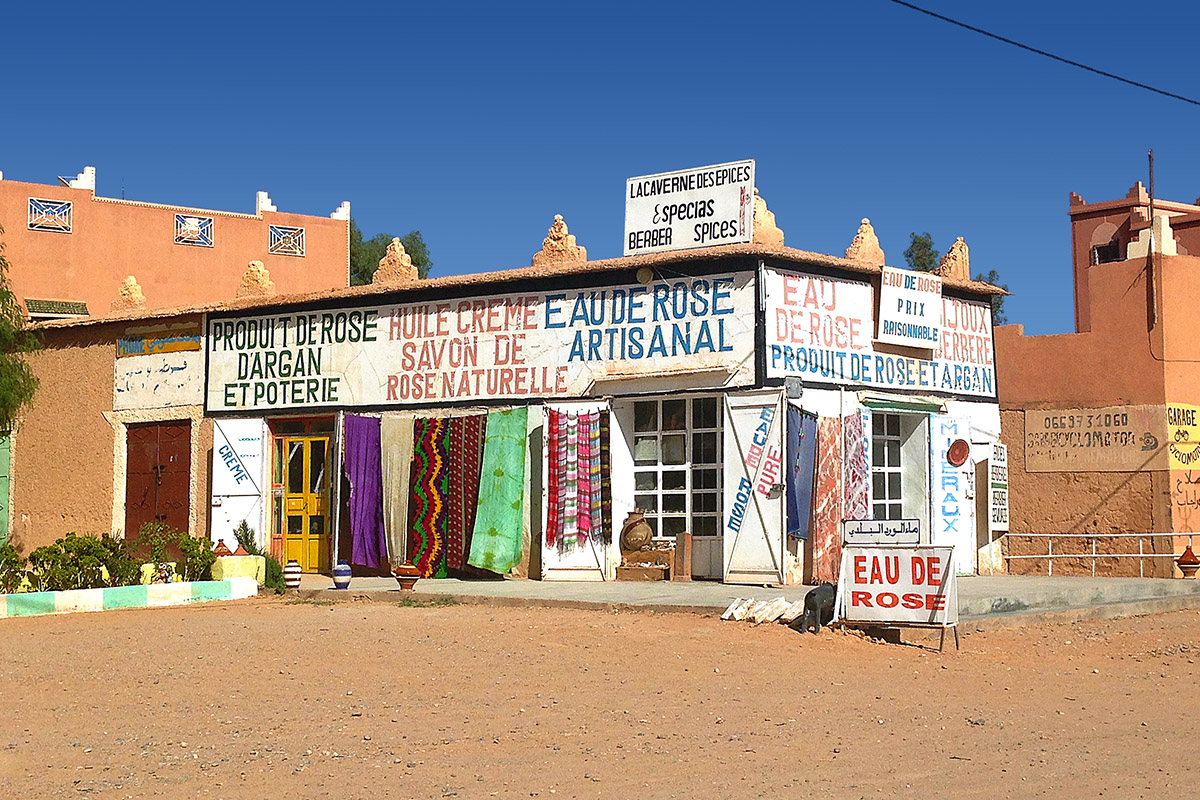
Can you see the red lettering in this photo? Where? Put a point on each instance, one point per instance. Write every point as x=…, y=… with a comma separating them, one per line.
x=913, y=600
x=887, y=599
x=876, y=576
x=935, y=570
x=860, y=569
x=860, y=599
x=935, y=602
x=918, y=570
x=392, y=383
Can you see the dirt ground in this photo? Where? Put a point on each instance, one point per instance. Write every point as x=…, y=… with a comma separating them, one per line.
x=277, y=698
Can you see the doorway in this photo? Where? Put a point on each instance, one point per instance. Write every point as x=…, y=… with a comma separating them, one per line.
x=301, y=482
x=158, y=472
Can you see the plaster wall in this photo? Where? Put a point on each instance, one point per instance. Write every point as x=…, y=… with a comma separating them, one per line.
x=63, y=444
x=1112, y=364
x=112, y=239
x=69, y=447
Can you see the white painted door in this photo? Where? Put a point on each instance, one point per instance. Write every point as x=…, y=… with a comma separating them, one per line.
x=753, y=520
x=239, y=475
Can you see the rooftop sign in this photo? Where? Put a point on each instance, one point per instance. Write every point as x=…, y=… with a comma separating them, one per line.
x=910, y=308
x=692, y=208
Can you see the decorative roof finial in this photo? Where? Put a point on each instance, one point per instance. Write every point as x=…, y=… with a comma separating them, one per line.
x=256, y=281
x=765, y=230
x=865, y=245
x=956, y=264
x=559, y=247
x=129, y=296
x=396, y=266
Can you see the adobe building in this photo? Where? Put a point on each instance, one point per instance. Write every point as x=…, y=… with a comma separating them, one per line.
x=72, y=253
x=511, y=422
x=1101, y=423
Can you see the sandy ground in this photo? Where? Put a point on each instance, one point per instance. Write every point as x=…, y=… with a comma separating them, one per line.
x=271, y=698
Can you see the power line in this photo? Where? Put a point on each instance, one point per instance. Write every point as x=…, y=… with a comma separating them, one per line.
x=935, y=15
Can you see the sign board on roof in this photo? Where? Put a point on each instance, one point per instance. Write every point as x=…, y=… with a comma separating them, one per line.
x=553, y=344
x=691, y=208
x=910, y=308
x=820, y=330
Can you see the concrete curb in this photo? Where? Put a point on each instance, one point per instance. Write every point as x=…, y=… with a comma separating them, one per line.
x=30, y=604
x=1129, y=608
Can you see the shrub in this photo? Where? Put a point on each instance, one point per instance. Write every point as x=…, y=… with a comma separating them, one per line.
x=72, y=562
x=196, y=557
x=12, y=569
x=122, y=568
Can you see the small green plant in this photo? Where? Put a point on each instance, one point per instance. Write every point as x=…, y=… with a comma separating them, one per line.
x=12, y=569
x=122, y=568
x=72, y=562
x=196, y=557
x=244, y=535
x=273, y=577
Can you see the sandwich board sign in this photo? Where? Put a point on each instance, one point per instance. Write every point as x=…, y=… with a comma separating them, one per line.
x=692, y=208
x=898, y=586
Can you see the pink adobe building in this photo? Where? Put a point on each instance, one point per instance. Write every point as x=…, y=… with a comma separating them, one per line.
x=70, y=250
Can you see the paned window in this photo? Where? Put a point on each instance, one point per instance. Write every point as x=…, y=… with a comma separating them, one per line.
x=286, y=241
x=677, y=465
x=886, y=500
x=196, y=231
x=50, y=215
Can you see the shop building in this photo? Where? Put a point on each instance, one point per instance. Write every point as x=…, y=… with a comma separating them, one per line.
x=73, y=253
x=1100, y=423
x=510, y=422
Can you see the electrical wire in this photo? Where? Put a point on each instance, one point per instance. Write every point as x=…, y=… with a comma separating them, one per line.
x=998, y=38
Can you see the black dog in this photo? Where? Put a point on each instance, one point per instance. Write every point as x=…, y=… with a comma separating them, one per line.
x=818, y=609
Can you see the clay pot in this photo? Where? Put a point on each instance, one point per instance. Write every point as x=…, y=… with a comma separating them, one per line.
x=636, y=533
x=406, y=576
x=221, y=549
x=291, y=574
x=1188, y=563
x=341, y=575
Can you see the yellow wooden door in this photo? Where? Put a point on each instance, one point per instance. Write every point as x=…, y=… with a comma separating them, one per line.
x=306, y=502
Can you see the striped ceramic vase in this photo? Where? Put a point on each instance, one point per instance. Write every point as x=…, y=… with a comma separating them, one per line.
x=291, y=574
x=341, y=575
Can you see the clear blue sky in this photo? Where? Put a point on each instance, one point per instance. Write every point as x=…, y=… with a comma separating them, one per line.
x=476, y=124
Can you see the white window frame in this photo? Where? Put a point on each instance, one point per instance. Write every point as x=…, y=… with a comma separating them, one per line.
x=887, y=482
x=690, y=493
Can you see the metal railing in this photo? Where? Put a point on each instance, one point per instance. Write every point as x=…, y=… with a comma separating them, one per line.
x=1050, y=555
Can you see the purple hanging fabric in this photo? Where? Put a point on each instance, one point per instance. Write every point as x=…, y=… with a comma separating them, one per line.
x=365, y=474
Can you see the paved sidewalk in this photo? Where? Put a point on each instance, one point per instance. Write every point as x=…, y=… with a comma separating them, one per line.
x=1014, y=599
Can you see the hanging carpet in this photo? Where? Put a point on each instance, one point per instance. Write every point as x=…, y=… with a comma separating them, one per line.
x=368, y=542
x=857, y=481
x=579, y=488
x=801, y=464
x=464, y=456
x=499, y=522
x=428, y=497
x=826, y=530
x=396, y=444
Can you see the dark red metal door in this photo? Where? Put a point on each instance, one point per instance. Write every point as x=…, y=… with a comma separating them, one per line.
x=157, y=475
